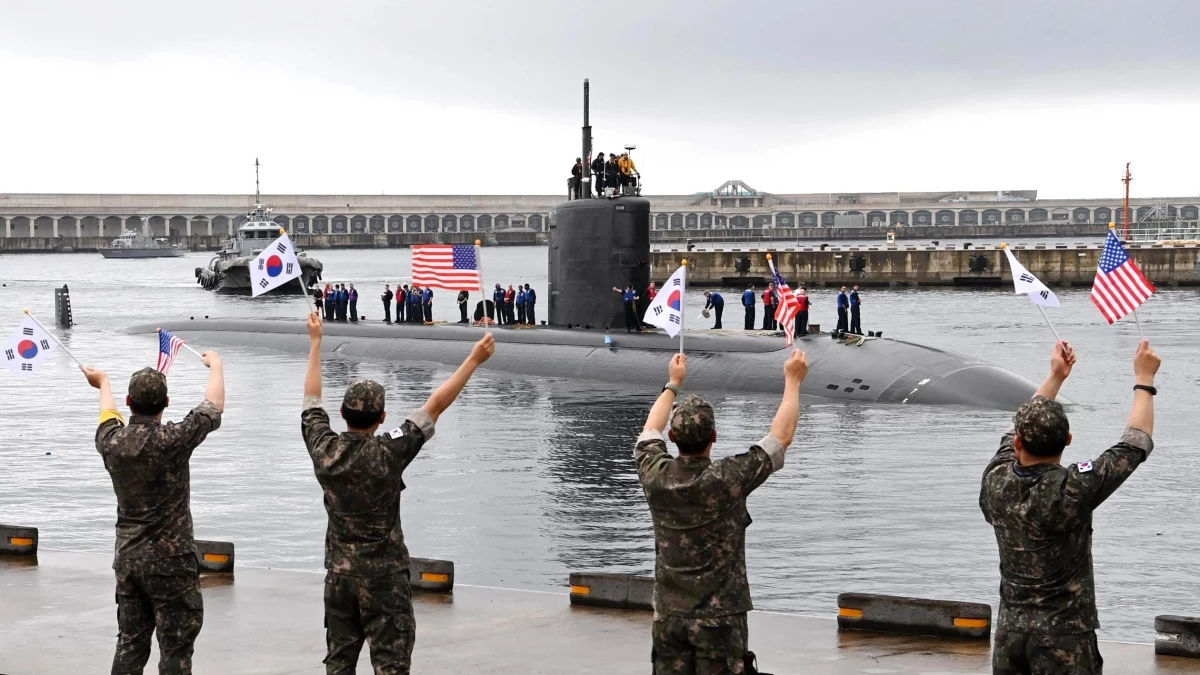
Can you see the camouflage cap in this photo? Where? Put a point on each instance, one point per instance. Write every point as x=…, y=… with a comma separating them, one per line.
x=364, y=396
x=148, y=388
x=692, y=420
x=1042, y=425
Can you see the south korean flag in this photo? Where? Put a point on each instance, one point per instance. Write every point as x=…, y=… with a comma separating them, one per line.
x=274, y=267
x=1024, y=283
x=28, y=349
x=666, y=311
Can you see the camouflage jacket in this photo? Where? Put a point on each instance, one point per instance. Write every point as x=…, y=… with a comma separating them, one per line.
x=361, y=478
x=148, y=464
x=700, y=521
x=1042, y=515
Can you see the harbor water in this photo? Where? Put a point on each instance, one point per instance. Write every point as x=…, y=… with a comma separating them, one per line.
x=529, y=479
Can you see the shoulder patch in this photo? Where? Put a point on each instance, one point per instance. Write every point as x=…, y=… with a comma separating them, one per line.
x=1085, y=467
x=396, y=433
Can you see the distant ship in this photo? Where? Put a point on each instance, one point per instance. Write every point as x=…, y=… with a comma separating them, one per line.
x=140, y=245
x=229, y=270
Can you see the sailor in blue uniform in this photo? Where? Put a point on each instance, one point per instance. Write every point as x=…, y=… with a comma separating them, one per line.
x=843, y=305
x=748, y=303
x=630, y=298
x=427, y=304
x=715, y=303
x=530, y=299
x=498, y=299
x=520, y=305
x=855, y=319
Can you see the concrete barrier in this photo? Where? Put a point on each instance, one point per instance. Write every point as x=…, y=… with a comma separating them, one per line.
x=17, y=540
x=214, y=557
x=1177, y=635
x=435, y=576
x=917, y=616
x=622, y=591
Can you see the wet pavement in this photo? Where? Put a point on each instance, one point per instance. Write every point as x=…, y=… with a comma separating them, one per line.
x=59, y=617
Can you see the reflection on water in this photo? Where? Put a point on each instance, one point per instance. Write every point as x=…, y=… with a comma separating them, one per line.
x=528, y=479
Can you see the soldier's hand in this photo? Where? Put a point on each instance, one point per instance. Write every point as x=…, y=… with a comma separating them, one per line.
x=211, y=359
x=677, y=371
x=483, y=350
x=1062, y=360
x=314, y=326
x=795, y=369
x=1145, y=363
x=95, y=376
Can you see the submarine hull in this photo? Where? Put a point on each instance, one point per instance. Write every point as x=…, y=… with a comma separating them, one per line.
x=874, y=370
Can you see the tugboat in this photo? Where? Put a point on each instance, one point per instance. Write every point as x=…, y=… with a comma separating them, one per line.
x=140, y=245
x=229, y=270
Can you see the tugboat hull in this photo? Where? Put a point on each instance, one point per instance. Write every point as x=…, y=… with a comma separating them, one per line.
x=233, y=276
x=142, y=252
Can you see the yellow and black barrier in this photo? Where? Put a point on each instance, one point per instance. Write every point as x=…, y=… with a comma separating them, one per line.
x=1177, y=635
x=916, y=616
x=622, y=591
x=434, y=576
x=17, y=540
x=214, y=557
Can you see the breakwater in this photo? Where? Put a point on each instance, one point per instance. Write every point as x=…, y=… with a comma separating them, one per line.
x=303, y=241
x=1055, y=264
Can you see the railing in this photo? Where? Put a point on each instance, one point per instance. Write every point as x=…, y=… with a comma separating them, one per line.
x=1176, y=230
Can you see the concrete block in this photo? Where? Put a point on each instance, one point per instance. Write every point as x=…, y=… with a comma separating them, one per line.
x=434, y=576
x=622, y=591
x=916, y=616
x=214, y=557
x=17, y=540
x=1177, y=635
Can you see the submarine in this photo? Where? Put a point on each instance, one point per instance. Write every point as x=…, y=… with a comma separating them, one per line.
x=596, y=244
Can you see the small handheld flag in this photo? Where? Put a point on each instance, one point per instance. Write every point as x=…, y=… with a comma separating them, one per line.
x=168, y=347
x=1025, y=283
x=28, y=348
x=274, y=267
x=788, y=307
x=666, y=311
x=1120, y=287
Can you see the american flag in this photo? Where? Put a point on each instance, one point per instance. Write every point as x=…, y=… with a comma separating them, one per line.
x=168, y=347
x=787, y=308
x=452, y=267
x=1120, y=287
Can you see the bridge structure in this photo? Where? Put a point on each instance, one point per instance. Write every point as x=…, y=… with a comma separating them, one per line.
x=733, y=206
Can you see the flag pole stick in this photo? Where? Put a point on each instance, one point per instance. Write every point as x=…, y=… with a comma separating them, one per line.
x=184, y=345
x=1047, y=318
x=483, y=289
x=308, y=309
x=54, y=337
x=682, y=308
x=1139, y=325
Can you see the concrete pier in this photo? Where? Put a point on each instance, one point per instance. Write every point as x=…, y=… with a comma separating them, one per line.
x=59, y=617
x=1055, y=264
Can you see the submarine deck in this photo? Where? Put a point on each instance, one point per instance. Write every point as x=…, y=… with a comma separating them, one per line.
x=59, y=616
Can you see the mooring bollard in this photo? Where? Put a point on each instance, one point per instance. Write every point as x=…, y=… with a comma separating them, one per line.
x=214, y=557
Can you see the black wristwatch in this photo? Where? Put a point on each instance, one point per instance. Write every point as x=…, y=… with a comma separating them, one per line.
x=1147, y=388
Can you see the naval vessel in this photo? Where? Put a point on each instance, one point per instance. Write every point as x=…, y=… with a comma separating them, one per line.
x=600, y=243
x=141, y=245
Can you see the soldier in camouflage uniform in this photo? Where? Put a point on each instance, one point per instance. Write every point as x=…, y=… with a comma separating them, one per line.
x=367, y=592
x=1042, y=513
x=701, y=595
x=158, y=582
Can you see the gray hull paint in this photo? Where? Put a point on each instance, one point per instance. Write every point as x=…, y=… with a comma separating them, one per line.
x=142, y=252
x=879, y=370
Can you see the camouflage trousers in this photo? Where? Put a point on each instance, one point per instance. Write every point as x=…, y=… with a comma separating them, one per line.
x=162, y=594
x=699, y=646
x=378, y=610
x=1032, y=654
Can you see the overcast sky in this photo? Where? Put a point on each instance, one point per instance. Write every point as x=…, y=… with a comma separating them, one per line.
x=449, y=97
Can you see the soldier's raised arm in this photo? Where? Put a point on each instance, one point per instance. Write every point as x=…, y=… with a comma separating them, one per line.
x=445, y=395
x=1089, y=483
